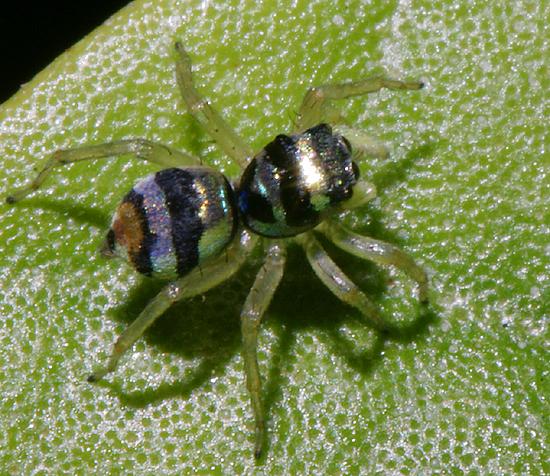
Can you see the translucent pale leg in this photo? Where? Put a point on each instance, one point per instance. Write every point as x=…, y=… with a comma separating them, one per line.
x=196, y=282
x=140, y=148
x=336, y=280
x=363, y=192
x=227, y=139
x=313, y=109
x=258, y=300
x=378, y=251
x=363, y=143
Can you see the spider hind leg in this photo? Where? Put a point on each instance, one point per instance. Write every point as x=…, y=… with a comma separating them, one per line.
x=138, y=148
x=198, y=281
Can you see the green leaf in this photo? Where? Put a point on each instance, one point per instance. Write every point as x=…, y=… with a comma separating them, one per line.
x=460, y=389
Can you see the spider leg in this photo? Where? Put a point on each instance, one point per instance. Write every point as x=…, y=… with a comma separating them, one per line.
x=314, y=108
x=378, y=251
x=256, y=303
x=224, y=135
x=196, y=282
x=337, y=281
x=363, y=192
x=140, y=148
x=363, y=143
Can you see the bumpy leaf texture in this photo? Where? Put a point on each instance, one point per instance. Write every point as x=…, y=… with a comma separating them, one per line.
x=458, y=389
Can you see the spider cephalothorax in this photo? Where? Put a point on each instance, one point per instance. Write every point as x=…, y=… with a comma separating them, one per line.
x=295, y=181
x=187, y=223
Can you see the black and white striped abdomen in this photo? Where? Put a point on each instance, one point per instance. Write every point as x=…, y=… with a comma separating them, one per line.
x=173, y=220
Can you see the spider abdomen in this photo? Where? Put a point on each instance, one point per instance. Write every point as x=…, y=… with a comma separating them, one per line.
x=173, y=220
x=291, y=185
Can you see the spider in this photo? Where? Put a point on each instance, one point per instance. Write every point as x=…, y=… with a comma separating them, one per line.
x=190, y=225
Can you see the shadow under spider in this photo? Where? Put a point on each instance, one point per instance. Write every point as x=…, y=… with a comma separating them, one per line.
x=204, y=327
x=69, y=208
x=208, y=327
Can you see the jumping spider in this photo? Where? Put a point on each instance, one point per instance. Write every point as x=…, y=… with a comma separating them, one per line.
x=190, y=225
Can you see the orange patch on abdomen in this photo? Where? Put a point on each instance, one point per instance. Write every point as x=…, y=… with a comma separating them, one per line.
x=128, y=227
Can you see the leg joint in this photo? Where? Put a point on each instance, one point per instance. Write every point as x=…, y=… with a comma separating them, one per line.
x=173, y=292
x=198, y=106
x=316, y=92
x=142, y=148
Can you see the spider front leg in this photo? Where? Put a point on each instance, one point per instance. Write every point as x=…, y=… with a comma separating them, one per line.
x=224, y=135
x=139, y=148
x=256, y=303
x=378, y=251
x=315, y=108
x=362, y=143
x=196, y=282
x=336, y=280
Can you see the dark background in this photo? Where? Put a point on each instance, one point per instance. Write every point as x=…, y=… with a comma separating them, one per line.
x=32, y=34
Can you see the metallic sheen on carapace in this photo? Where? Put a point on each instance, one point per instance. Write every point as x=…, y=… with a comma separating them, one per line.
x=174, y=219
x=291, y=185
